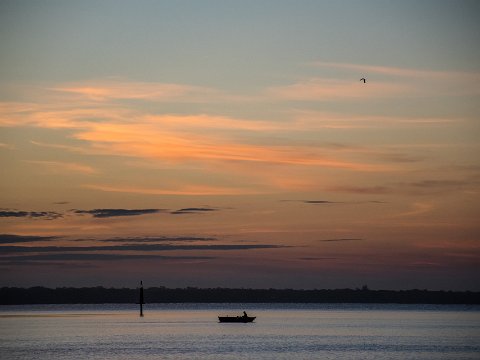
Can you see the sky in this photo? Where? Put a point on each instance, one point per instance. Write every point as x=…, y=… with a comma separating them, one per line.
x=232, y=144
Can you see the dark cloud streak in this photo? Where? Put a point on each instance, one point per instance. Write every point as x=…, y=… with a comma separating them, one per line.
x=100, y=213
x=192, y=210
x=314, y=202
x=106, y=213
x=44, y=215
x=321, y=202
x=136, y=247
x=13, y=239
x=93, y=257
x=326, y=202
x=341, y=240
x=159, y=239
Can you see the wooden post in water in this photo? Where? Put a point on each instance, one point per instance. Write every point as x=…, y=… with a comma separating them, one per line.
x=141, y=299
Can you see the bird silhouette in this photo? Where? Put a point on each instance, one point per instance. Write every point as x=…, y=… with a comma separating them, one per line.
x=363, y=79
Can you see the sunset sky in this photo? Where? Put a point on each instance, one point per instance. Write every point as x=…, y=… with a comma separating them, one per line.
x=231, y=143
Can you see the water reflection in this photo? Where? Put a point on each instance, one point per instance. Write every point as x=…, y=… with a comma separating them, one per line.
x=280, y=332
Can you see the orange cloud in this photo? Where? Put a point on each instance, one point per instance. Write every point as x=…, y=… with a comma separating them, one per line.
x=369, y=190
x=204, y=121
x=120, y=89
x=6, y=146
x=71, y=148
x=202, y=143
x=61, y=115
x=150, y=141
x=191, y=190
x=58, y=166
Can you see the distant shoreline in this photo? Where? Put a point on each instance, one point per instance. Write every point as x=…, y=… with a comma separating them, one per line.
x=101, y=295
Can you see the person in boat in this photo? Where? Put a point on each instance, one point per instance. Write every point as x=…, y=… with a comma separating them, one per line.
x=245, y=315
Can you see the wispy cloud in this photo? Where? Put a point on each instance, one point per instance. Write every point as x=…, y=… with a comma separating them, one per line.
x=241, y=156
x=317, y=120
x=6, y=146
x=326, y=89
x=399, y=157
x=180, y=147
x=61, y=167
x=112, y=89
x=382, y=82
x=186, y=190
x=373, y=190
x=417, y=188
x=177, y=139
x=400, y=72
x=62, y=147
x=58, y=114
x=439, y=185
x=418, y=208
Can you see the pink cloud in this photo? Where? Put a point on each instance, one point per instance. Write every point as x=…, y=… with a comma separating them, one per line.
x=418, y=208
x=315, y=120
x=318, y=89
x=382, y=82
x=400, y=72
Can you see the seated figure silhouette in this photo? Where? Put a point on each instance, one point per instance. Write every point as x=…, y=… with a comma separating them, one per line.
x=245, y=314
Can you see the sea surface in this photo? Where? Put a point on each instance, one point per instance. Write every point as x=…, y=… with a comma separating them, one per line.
x=281, y=331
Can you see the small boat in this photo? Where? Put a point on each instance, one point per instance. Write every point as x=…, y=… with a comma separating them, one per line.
x=236, y=319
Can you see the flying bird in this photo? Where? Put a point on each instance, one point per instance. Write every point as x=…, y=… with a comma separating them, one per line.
x=363, y=79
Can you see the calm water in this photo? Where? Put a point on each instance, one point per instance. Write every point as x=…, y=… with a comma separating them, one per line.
x=191, y=331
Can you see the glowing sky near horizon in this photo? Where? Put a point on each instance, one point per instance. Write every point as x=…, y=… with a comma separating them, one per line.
x=231, y=143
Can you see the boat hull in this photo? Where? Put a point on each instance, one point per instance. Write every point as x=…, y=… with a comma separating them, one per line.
x=236, y=319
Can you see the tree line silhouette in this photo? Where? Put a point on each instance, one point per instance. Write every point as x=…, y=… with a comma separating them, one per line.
x=101, y=295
